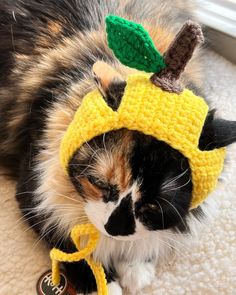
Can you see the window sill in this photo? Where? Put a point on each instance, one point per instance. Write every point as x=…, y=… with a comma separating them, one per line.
x=219, y=18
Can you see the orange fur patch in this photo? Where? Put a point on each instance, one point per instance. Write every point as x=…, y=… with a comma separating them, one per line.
x=113, y=166
x=48, y=40
x=106, y=74
x=91, y=191
x=160, y=36
x=54, y=27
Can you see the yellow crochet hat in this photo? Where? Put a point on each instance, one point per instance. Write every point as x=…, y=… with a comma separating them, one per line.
x=155, y=105
x=176, y=119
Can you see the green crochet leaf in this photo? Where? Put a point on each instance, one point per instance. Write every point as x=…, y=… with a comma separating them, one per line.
x=132, y=45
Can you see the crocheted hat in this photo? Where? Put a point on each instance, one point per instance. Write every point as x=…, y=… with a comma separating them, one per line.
x=154, y=104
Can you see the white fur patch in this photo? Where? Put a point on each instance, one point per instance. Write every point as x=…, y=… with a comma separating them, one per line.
x=113, y=289
x=135, y=277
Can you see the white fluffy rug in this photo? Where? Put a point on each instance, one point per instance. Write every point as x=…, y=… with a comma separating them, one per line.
x=206, y=268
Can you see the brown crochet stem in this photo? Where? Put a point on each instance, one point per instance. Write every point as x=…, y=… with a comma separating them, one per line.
x=178, y=55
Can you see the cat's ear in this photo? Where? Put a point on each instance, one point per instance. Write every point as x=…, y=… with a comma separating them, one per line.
x=217, y=133
x=110, y=83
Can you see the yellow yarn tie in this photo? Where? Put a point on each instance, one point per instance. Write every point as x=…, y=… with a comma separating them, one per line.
x=58, y=256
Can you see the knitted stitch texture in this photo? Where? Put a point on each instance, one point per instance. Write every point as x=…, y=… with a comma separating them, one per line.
x=132, y=45
x=176, y=119
x=58, y=256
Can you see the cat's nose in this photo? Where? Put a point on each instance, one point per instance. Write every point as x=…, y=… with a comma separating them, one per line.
x=121, y=222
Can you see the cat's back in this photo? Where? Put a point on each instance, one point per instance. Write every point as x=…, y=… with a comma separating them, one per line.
x=46, y=45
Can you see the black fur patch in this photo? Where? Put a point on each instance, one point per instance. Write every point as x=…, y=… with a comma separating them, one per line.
x=115, y=93
x=217, y=133
x=111, y=193
x=154, y=162
x=198, y=213
x=82, y=277
x=122, y=222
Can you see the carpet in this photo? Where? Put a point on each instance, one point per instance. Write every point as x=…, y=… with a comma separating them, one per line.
x=206, y=267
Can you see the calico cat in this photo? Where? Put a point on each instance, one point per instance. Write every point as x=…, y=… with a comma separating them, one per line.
x=135, y=189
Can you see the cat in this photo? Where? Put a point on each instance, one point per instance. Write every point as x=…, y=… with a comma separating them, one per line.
x=135, y=189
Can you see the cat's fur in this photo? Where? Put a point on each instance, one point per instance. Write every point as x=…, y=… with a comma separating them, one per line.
x=135, y=189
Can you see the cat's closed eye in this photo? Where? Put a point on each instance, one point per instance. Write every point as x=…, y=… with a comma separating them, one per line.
x=109, y=192
x=98, y=182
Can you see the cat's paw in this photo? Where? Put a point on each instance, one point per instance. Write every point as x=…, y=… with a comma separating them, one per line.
x=113, y=289
x=136, y=276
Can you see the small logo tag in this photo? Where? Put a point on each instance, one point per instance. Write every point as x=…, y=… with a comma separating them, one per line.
x=46, y=287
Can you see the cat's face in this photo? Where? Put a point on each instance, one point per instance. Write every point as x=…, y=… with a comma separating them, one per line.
x=132, y=183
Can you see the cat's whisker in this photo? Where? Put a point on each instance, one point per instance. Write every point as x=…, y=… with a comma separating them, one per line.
x=66, y=197
x=30, y=179
x=82, y=173
x=95, y=154
x=81, y=165
x=182, y=234
x=23, y=219
x=173, y=248
x=26, y=192
x=87, y=144
x=179, y=187
x=162, y=214
x=169, y=246
x=175, y=211
x=182, y=245
x=41, y=238
x=108, y=155
x=175, y=178
x=46, y=232
x=31, y=227
x=58, y=216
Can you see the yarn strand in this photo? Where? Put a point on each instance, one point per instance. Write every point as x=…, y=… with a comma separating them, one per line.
x=58, y=256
